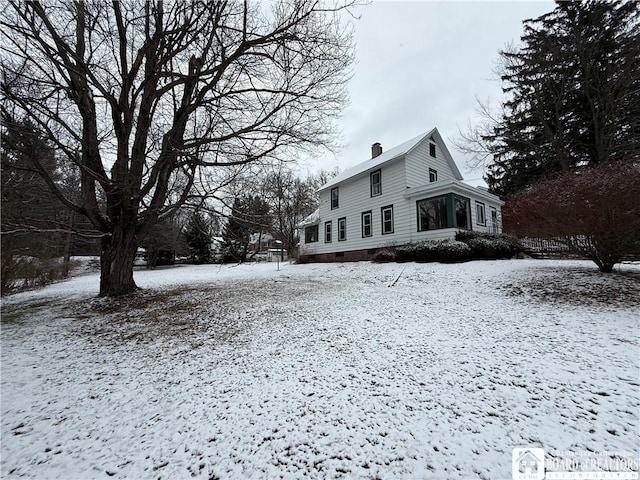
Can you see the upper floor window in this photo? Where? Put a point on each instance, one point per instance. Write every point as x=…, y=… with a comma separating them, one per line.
x=327, y=232
x=481, y=218
x=432, y=150
x=376, y=183
x=342, y=229
x=387, y=219
x=433, y=175
x=311, y=234
x=366, y=224
x=334, y=198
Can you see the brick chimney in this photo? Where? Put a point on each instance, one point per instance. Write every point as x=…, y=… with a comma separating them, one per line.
x=376, y=149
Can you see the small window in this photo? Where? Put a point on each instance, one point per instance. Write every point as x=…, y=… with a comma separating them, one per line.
x=327, y=232
x=311, y=234
x=494, y=220
x=366, y=224
x=432, y=150
x=433, y=175
x=481, y=218
x=376, y=183
x=334, y=198
x=342, y=229
x=462, y=206
x=387, y=219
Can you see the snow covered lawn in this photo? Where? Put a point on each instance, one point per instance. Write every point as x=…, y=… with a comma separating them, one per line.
x=321, y=370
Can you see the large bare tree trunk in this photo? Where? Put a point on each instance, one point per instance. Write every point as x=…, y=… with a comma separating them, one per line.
x=116, y=262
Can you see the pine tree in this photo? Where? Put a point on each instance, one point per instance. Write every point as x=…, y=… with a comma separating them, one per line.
x=198, y=236
x=249, y=214
x=573, y=94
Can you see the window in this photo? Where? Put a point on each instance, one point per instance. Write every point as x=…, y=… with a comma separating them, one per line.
x=432, y=214
x=311, y=234
x=334, y=198
x=327, y=232
x=366, y=224
x=494, y=220
x=376, y=183
x=481, y=219
x=342, y=229
x=447, y=211
x=387, y=219
x=432, y=150
x=433, y=175
x=463, y=212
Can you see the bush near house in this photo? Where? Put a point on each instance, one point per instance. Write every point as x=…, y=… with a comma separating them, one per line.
x=466, y=246
x=487, y=246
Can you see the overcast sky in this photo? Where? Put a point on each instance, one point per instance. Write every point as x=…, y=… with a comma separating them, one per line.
x=421, y=65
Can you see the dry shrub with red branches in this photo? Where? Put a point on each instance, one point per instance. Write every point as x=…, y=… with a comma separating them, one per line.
x=594, y=211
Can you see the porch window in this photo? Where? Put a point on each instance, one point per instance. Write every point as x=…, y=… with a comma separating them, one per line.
x=311, y=234
x=432, y=214
x=481, y=218
x=447, y=211
x=494, y=220
x=463, y=212
x=366, y=224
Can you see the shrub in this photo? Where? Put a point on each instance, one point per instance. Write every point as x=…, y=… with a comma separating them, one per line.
x=426, y=251
x=489, y=246
x=452, y=251
x=405, y=253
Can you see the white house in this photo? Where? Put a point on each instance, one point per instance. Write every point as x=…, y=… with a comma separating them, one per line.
x=410, y=193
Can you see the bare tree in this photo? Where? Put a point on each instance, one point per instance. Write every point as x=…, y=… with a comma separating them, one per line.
x=146, y=98
x=291, y=199
x=594, y=211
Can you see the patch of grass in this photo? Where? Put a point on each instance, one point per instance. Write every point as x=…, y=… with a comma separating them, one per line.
x=15, y=313
x=579, y=286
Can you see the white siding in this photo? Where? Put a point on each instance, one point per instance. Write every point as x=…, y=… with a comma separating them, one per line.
x=354, y=199
x=419, y=161
x=404, y=182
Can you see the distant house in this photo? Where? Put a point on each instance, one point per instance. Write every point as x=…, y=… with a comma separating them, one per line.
x=410, y=193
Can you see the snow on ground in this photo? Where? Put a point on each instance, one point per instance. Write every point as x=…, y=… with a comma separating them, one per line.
x=320, y=371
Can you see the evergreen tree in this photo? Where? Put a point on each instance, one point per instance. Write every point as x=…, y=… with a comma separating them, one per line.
x=573, y=95
x=198, y=236
x=249, y=214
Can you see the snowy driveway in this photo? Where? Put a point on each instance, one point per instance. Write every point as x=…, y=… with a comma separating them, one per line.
x=323, y=371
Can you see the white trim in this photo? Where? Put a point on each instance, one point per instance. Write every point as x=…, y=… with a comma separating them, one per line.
x=443, y=187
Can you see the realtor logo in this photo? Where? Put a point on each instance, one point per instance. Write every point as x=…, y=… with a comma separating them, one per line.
x=528, y=463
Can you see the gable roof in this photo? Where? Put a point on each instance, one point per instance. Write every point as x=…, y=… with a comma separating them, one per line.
x=394, y=154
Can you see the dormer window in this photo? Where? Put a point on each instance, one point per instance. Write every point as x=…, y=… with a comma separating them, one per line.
x=432, y=150
x=376, y=183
